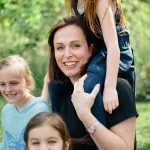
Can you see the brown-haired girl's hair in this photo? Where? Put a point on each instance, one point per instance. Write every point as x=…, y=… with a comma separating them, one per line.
x=51, y=119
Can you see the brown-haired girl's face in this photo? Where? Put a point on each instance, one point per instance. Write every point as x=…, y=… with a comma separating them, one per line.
x=45, y=137
x=71, y=50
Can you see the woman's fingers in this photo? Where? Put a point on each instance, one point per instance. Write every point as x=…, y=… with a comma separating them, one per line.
x=80, y=84
x=83, y=78
x=95, y=91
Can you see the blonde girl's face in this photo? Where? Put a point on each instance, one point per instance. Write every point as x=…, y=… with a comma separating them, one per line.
x=45, y=137
x=71, y=51
x=13, y=86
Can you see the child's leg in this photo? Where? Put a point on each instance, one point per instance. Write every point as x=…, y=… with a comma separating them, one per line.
x=98, y=107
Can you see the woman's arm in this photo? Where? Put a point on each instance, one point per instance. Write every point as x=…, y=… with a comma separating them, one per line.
x=106, y=17
x=118, y=137
x=45, y=93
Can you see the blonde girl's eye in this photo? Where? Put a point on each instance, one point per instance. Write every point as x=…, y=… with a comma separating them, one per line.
x=35, y=143
x=14, y=83
x=2, y=84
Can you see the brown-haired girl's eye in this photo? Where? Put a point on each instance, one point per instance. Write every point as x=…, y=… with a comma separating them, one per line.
x=35, y=143
x=52, y=141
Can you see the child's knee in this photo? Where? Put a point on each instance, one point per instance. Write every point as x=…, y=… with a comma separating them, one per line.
x=90, y=82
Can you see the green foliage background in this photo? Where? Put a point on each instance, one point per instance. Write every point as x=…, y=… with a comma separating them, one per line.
x=24, y=26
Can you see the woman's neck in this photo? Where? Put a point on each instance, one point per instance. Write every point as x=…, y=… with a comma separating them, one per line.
x=73, y=80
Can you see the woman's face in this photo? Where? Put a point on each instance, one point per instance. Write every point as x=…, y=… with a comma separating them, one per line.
x=50, y=139
x=71, y=51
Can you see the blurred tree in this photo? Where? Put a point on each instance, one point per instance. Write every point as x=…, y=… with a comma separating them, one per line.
x=24, y=26
x=137, y=13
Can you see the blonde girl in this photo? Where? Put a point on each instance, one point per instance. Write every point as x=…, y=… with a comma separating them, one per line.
x=16, y=82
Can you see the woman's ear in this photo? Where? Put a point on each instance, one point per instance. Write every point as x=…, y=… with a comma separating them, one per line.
x=92, y=48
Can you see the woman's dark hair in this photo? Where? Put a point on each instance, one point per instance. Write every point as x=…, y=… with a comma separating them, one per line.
x=51, y=119
x=55, y=74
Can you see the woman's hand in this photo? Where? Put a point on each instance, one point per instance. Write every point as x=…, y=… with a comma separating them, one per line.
x=81, y=100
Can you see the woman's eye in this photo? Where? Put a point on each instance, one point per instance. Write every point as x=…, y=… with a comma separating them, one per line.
x=76, y=45
x=59, y=48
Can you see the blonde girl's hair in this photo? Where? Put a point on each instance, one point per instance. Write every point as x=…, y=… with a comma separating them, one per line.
x=23, y=66
x=90, y=14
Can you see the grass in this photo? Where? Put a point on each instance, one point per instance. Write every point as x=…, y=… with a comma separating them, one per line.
x=143, y=125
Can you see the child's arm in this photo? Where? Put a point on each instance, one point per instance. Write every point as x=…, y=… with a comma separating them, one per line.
x=105, y=14
x=3, y=144
x=45, y=93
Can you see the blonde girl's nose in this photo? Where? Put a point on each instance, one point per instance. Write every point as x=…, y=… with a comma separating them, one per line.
x=8, y=88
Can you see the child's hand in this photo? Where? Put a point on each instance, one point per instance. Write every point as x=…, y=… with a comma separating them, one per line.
x=110, y=99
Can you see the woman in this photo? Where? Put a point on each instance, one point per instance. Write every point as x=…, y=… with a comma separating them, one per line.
x=70, y=52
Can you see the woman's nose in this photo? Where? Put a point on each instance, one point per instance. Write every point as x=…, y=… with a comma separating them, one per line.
x=68, y=52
